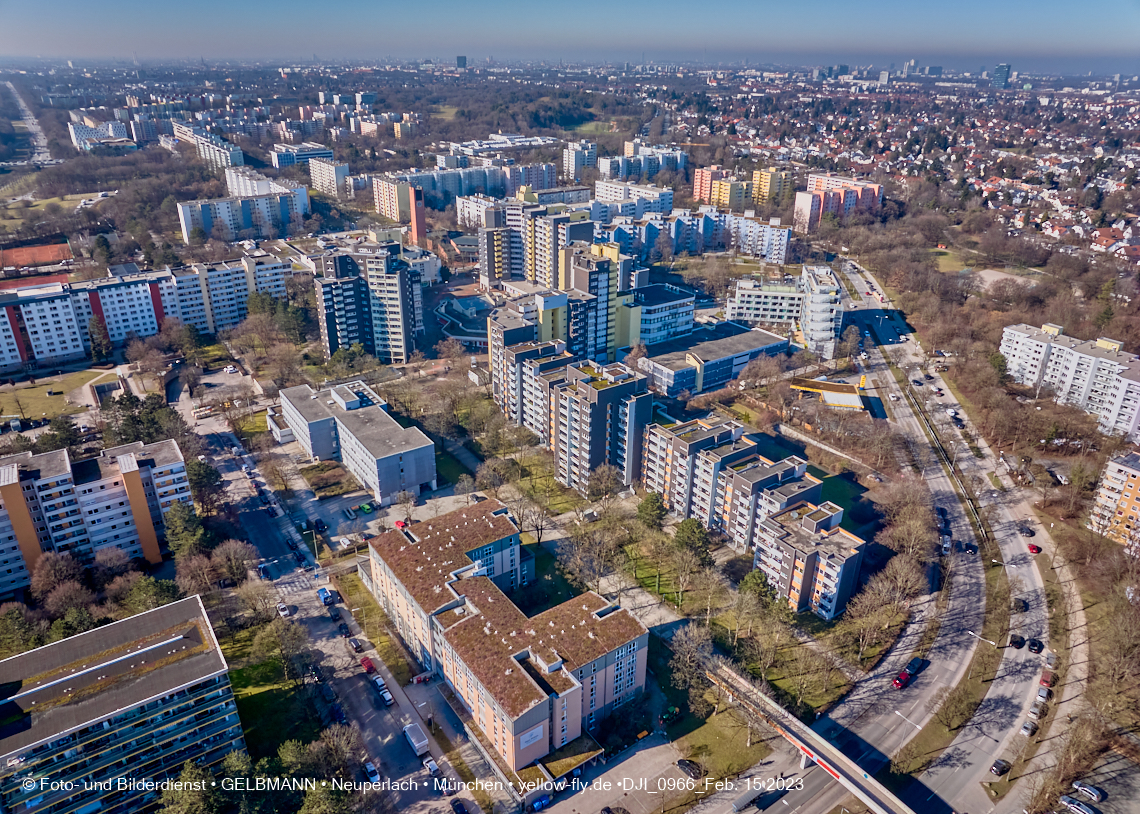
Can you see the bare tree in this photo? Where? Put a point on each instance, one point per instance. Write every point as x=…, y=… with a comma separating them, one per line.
x=195, y=574
x=407, y=502
x=256, y=597
x=233, y=558
x=464, y=486
x=337, y=752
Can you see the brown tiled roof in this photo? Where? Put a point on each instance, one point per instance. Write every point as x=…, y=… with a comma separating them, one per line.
x=424, y=555
x=494, y=632
x=490, y=631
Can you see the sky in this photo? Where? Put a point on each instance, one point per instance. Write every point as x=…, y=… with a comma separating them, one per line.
x=1048, y=36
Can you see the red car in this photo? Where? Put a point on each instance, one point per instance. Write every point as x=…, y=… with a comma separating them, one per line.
x=368, y=666
x=1034, y=549
x=901, y=680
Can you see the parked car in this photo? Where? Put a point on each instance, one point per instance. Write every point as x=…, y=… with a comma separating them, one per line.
x=928, y=377
x=1020, y=606
x=1044, y=693
x=320, y=525
x=916, y=382
x=1029, y=729
x=356, y=646
x=262, y=571
x=691, y=768
x=1000, y=767
x=1025, y=531
x=901, y=680
x=1034, y=549
x=1016, y=642
x=344, y=631
x=371, y=773
x=338, y=714
x=1051, y=660
x=1039, y=710
x=914, y=666
x=1035, y=646
x=1047, y=678
x=334, y=614
x=282, y=609
x=458, y=807
x=1075, y=806
x=431, y=766
x=1091, y=792
x=378, y=684
x=369, y=667
x=387, y=698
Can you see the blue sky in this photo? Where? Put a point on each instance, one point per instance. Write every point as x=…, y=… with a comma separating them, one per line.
x=1045, y=35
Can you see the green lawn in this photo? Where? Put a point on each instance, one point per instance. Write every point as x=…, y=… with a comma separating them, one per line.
x=592, y=127
x=272, y=711
x=35, y=401
x=375, y=624
x=215, y=354
x=449, y=468
x=949, y=261
x=328, y=479
x=446, y=112
x=16, y=211
x=549, y=588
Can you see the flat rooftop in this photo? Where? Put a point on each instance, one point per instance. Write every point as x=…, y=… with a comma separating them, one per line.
x=719, y=341
x=653, y=295
x=83, y=679
x=380, y=434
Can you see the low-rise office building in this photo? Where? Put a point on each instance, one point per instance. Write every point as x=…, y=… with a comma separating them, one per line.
x=349, y=423
x=130, y=701
x=708, y=358
x=287, y=155
x=530, y=685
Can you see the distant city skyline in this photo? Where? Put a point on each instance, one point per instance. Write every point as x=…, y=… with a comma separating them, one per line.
x=1045, y=37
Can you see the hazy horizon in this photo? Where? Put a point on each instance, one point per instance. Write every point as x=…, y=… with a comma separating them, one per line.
x=1043, y=38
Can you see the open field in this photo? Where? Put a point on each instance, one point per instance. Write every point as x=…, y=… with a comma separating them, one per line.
x=950, y=261
x=586, y=128
x=14, y=212
x=34, y=401
x=271, y=710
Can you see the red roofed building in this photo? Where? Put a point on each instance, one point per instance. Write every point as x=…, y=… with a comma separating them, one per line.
x=532, y=685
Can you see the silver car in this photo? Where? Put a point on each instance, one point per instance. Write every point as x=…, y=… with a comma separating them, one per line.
x=1085, y=790
x=1075, y=806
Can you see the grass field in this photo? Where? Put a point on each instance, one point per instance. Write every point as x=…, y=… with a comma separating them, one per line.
x=17, y=211
x=448, y=467
x=375, y=624
x=328, y=479
x=215, y=354
x=271, y=710
x=35, y=400
x=949, y=261
x=593, y=127
x=446, y=112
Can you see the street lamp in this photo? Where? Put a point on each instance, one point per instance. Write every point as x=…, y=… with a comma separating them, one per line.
x=431, y=713
x=999, y=562
x=976, y=636
x=908, y=720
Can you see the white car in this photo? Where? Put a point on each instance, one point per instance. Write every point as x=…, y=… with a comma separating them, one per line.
x=370, y=771
x=431, y=766
x=1091, y=792
x=387, y=698
x=282, y=609
x=345, y=542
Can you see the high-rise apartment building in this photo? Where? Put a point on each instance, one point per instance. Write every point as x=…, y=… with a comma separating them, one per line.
x=94, y=722
x=839, y=196
x=1001, y=76
x=287, y=155
x=709, y=470
x=1116, y=508
x=732, y=194
x=329, y=177
x=372, y=296
x=117, y=500
x=1096, y=376
x=577, y=156
x=270, y=213
x=594, y=415
x=810, y=561
x=217, y=153
x=770, y=184
x=811, y=305
x=649, y=197
x=703, y=180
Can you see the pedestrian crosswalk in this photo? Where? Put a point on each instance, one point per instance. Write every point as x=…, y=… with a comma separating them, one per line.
x=295, y=584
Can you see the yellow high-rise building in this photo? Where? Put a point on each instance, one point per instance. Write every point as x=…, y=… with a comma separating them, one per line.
x=731, y=193
x=770, y=184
